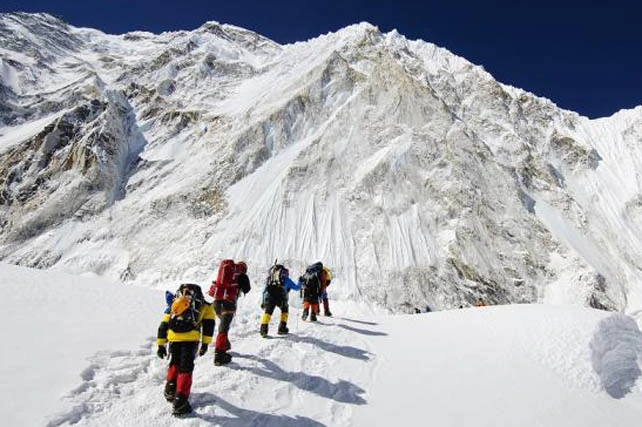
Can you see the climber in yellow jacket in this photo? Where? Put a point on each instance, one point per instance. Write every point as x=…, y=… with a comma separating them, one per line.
x=326, y=278
x=187, y=321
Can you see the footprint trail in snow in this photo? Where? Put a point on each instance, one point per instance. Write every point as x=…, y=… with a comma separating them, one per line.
x=294, y=380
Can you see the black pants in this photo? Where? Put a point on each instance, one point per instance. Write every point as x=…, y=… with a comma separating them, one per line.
x=272, y=303
x=181, y=365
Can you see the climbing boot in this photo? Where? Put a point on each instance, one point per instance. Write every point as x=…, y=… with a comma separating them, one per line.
x=170, y=391
x=283, y=329
x=222, y=358
x=181, y=405
x=326, y=308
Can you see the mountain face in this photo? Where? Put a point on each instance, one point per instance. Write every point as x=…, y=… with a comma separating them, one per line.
x=413, y=174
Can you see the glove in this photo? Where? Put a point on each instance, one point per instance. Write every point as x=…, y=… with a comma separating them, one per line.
x=203, y=350
x=161, y=352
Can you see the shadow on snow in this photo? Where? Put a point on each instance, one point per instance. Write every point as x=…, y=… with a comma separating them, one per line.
x=615, y=349
x=342, y=391
x=342, y=350
x=363, y=322
x=362, y=331
x=245, y=417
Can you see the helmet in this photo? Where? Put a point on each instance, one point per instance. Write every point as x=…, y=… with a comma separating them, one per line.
x=180, y=305
x=241, y=267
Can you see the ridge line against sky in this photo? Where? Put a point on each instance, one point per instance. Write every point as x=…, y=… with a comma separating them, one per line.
x=584, y=58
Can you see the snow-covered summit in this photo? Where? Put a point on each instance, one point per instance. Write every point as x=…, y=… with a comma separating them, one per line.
x=411, y=172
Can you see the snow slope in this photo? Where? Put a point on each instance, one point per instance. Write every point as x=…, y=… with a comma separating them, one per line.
x=73, y=361
x=521, y=365
x=55, y=325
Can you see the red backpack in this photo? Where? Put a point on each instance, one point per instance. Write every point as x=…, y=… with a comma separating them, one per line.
x=224, y=288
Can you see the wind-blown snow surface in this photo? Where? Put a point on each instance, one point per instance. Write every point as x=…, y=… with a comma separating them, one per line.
x=80, y=351
x=147, y=158
x=57, y=332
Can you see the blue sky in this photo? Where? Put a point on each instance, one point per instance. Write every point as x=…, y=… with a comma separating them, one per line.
x=584, y=58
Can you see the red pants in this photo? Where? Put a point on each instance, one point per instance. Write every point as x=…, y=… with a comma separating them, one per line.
x=181, y=365
x=225, y=311
x=308, y=304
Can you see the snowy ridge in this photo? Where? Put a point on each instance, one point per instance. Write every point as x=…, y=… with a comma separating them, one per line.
x=418, y=178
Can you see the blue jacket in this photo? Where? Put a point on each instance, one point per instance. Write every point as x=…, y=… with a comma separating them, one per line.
x=290, y=285
x=287, y=287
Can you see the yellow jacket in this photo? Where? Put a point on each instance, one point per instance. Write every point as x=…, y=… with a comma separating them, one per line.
x=326, y=277
x=203, y=332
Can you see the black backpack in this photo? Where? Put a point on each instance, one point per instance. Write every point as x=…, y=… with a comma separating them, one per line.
x=187, y=320
x=275, y=282
x=311, y=280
